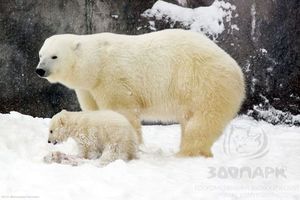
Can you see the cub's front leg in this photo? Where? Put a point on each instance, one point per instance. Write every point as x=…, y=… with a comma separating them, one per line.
x=113, y=152
x=88, y=152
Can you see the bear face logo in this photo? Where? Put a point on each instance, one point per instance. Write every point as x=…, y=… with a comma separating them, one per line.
x=249, y=142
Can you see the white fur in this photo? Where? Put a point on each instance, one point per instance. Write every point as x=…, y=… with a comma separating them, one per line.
x=170, y=75
x=104, y=134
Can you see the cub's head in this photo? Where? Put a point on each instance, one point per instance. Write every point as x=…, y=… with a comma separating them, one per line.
x=58, y=130
x=58, y=57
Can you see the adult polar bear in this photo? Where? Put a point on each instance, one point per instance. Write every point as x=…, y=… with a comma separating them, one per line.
x=169, y=75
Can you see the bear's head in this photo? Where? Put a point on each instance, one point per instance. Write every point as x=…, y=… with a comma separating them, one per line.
x=58, y=130
x=58, y=58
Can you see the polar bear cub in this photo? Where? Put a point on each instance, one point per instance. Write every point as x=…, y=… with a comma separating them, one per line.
x=105, y=134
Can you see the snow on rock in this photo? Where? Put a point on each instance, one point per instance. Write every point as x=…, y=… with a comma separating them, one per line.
x=209, y=20
x=267, y=112
x=252, y=160
x=253, y=21
x=274, y=116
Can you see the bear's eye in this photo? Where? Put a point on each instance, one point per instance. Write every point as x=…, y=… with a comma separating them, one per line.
x=54, y=57
x=51, y=131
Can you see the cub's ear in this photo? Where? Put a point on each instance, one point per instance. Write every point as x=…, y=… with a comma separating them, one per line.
x=76, y=45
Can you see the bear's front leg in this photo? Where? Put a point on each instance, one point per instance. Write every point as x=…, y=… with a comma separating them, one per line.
x=135, y=121
x=86, y=100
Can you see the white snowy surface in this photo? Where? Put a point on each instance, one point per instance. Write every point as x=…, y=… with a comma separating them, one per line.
x=209, y=20
x=157, y=174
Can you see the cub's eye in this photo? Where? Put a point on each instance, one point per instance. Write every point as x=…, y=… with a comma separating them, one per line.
x=51, y=131
x=54, y=57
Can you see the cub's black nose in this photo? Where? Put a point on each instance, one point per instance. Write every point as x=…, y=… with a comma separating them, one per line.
x=40, y=72
x=49, y=141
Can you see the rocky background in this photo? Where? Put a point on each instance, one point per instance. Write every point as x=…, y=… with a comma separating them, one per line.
x=266, y=45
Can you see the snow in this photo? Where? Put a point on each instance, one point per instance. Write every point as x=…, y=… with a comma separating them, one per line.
x=182, y=2
x=253, y=20
x=209, y=20
x=263, y=51
x=115, y=16
x=252, y=160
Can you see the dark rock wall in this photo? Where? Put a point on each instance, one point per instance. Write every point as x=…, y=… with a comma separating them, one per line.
x=274, y=73
x=268, y=53
x=24, y=26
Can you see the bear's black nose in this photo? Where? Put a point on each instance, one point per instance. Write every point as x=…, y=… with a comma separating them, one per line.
x=40, y=72
x=49, y=141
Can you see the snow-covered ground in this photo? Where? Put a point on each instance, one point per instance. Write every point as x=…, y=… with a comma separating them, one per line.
x=252, y=160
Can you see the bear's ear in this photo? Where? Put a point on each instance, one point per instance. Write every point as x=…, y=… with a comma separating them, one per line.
x=76, y=45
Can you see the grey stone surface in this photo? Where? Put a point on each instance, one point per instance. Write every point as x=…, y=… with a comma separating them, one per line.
x=24, y=25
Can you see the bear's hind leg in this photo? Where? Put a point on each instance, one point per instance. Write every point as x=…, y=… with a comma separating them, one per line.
x=199, y=133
